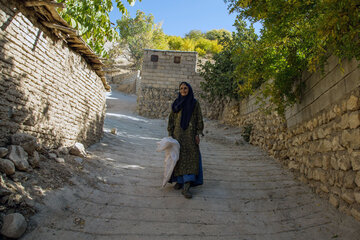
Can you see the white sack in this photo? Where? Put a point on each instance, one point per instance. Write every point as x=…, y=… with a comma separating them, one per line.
x=172, y=150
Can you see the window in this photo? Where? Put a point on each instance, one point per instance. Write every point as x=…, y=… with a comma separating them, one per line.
x=177, y=59
x=154, y=58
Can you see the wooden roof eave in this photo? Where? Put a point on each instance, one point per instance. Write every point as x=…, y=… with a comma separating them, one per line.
x=50, y=19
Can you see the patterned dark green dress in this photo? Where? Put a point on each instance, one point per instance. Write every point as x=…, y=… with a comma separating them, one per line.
x=188, y=162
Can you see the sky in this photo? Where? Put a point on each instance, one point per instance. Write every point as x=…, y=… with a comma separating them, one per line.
x=179, y=17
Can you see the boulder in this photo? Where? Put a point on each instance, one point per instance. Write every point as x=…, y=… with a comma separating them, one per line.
x=60, y=160
x=78, y=150
x=52, y=155
x=7, y=166
x=19, y=157
x=27, y=142
x=14, y=225
x=63, y=151
x=3, y=152
x=34, y=160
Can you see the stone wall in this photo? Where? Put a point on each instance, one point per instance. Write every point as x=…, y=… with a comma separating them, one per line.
x=161, y=74
x=318, y=139
x=46, y=89
x=125, y=82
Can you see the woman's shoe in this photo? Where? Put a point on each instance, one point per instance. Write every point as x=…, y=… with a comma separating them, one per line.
x=185, y=191
x=178, y=186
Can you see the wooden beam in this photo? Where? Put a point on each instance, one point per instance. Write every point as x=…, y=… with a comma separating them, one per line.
x=44, y=3
x=79, y=45
x=70, y=31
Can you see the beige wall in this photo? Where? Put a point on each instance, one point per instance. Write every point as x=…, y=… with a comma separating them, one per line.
x=160, y=80
x=46, y=89
x=323, y=90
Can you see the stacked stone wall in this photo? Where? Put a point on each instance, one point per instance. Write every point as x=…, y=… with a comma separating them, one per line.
x=46, y=89
x=319, y=139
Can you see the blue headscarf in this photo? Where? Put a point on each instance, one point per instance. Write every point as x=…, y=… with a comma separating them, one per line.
x=186, y=104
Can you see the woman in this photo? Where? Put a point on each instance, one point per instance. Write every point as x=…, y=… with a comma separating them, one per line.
x=185, y=125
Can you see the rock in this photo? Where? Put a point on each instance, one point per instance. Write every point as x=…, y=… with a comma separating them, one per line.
x=27, y=142
x=354, y=119
x=78, y=150
x=349, y=179
x=355, y=160
x=19, y=157
x=344, y=123
x=63, y=150
x=324, y=188
x=357, y=179
x=353, y=103
x=3, y=152
x=114, y=131
x=348, y=197
x=334, y=163
x=344, y=163
x=14, y=225
x=60, y=160
x=35, y=160
x=324, y=146
x=355, y=213
x=334, y=201
x=52, y=155
x=7, y=166
x=325, y=162
x=79, y=160
x=357, y=196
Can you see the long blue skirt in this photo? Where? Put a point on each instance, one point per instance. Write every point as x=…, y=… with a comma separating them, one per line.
x=194, y=179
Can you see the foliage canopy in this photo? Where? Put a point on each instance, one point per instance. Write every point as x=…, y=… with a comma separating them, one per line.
x=92, y=20
x=139, y=33
x=296, y=36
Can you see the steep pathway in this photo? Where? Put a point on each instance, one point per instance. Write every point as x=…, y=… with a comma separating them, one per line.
x=246, y=195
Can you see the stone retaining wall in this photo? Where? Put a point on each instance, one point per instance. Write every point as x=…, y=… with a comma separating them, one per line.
x=319, y=139
x=46, y=89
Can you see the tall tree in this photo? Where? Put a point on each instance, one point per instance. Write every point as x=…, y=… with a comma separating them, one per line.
x=217, y=34
x=297, y=35
x=229, y=67
x=91, y=18
x=139, y=33
x=194, y=35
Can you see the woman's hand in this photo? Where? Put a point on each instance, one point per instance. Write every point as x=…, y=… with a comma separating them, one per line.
x=197, y=139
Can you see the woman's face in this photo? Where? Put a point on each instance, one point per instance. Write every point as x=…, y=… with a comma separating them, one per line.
x=184, y=90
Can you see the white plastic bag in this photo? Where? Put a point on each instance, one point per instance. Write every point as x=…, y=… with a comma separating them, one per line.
x=172, y=149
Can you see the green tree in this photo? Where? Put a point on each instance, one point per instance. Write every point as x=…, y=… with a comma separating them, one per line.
x=217, y=34
x=297, y=35
x=91, y=19
x=205, y=46
x=224, y=74
x=139, y=33
x=174, y=42
x=188, y=45
x=194, y=35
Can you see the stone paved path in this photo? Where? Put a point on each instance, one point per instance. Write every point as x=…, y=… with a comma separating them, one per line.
x=246, y=195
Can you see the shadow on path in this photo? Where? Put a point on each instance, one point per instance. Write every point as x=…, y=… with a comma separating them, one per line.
x=246, y=194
